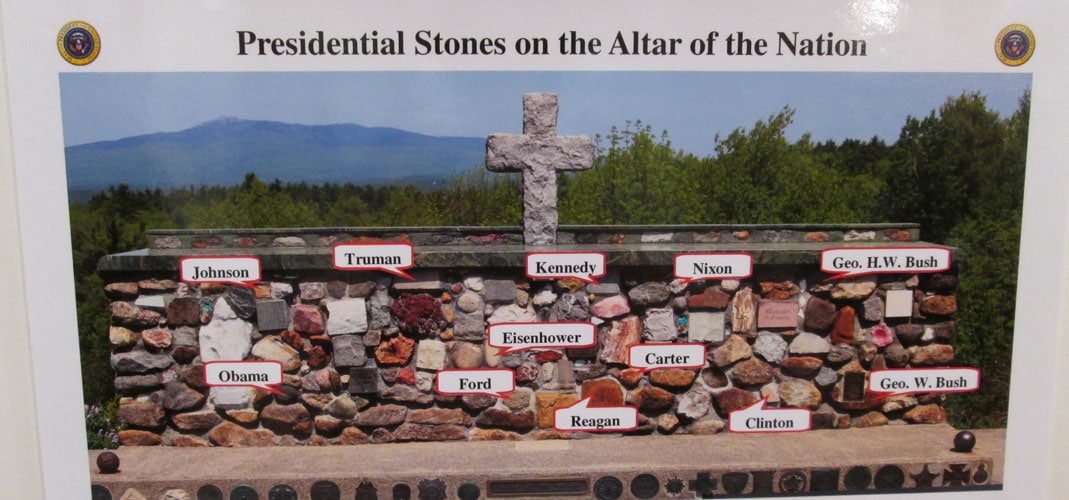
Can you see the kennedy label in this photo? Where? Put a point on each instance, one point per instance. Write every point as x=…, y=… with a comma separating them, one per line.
x=846, y=262
x=497, y=382
x=262, y=374
x=512, y=337
x=582, y=417
x=708, y=266
x=914, y=380
x=757, y=418
x=392, y=258
x=237, y=270
x=584, y=266
x=666, y=355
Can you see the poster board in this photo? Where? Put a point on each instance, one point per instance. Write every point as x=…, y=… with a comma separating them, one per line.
x=207, y=34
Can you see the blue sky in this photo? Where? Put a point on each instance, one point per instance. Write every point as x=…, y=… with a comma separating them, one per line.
x=692, y=106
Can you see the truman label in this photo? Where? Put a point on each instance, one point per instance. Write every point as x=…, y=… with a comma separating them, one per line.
x=584, y=266
x=846, y=262
x=895, y=382
x=497, y=382
x=709, y=266
x=392, y=258
x=657, y=355
x=237, y=270
x=512, y=337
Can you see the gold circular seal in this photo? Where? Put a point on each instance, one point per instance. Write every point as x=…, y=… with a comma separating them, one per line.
x=1015, y=44
x=78, y=43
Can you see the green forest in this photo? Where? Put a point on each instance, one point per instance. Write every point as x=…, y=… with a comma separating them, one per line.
x=959, y=172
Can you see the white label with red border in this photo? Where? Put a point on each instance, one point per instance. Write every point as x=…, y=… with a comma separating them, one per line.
x=652, y=356
x=262, y=374
x=917, y=380
x=513, y=337
x=713, y=266
x=496, y=382
x=757, y=418
x=392, y=258
x=583, y=266
x=236, y=270
x=848, y=262
x=582, y=417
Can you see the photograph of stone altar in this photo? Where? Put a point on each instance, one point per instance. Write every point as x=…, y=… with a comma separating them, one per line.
x=537, y=285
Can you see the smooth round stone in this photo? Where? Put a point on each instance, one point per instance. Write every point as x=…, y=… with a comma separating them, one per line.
x=108, y=462
x=964, y=442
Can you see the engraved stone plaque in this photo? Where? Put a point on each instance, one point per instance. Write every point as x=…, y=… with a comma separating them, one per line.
x=363, y=380
x=539, y=488
x=777, y=314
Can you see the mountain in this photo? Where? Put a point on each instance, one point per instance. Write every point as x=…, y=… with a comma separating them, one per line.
x=222, y=151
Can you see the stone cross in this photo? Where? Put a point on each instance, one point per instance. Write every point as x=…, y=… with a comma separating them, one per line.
x=539, y=153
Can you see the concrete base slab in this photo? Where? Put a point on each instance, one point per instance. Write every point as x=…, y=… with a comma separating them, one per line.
x=914, y=458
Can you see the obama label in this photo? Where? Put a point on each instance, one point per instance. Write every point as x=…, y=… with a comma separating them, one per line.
x=651, y=356
x=496, y=382
x=758, y=418
x=261, y=374
x=583, y=417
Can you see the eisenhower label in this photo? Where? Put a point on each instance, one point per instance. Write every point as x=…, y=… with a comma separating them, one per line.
x=707, y=266
x=584, y=266
x=497, y=382
x=392, y=258
x=651, y=356
x=847, y=262
x=243, y=271
x=512, y=337
x=262, y=374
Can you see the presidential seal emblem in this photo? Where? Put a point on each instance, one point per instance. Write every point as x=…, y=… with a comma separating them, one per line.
x=1015, y=44
x=78, y=43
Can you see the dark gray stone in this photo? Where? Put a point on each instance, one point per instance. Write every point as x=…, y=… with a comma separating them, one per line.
x=348, y=350
x=651, y=294
x=242, y=300
x=139, y=361
x=364, y=380
x=570, y=307
x=469, y=326
x=378, y=305
x=499, y=291
x=272, y=315
x=179, y=397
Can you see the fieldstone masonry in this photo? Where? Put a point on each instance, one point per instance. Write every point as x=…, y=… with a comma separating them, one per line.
x=361, y=350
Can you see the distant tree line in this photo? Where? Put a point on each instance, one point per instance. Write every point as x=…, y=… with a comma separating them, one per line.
x=959, y=172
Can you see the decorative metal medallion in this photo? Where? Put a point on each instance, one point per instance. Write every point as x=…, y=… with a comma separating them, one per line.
x=243, y=492
x=78, y=42
x=924, y=478
x=956, y=475
x=792, y=481
x=1015, y=44
x=674, y=486
x=857, y=478
x=402, y=491
x=282, y=492
x=468, y=491
x=890, y=477
x=99, y=492
x=704, y=485
x=735, y=482
x=608, y=488
x=209, y=492
x=645, y=486
x=325, y=490
x=431, y=489
x=366, y=491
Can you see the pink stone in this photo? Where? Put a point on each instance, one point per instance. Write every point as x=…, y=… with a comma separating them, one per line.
x=882, y=336
x=610, y=307
x=619, y=338
x=308, y=319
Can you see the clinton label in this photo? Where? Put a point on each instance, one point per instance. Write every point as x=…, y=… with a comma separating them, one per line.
x=757, y=418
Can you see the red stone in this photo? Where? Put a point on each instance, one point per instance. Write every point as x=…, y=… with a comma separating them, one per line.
x=317, y=357
x=940, y=305
x=733, y=399
x=842, y=332
x=711, y=298
x=819, y=314
x=619, y=338
x=308, y=319
x=547, y=356
x=235, y=436
x=801, y=366
x=926, y=414
x=439, y=416
x=816, y=236
x=752, y=372
x=407, y=376
x=781, y=290
x=133, y=437
x=422, y=432
x=603, y=392
x=293, y=339
x=673, y=378
x=505, y=419
x=899, y=235
x=631, y=376
x=396, y=351
x=651, y=398
x=183, y=311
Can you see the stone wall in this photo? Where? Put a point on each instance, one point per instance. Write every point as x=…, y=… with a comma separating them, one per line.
x=360, y=351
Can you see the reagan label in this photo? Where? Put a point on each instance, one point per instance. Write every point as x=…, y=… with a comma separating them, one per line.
x=846, y=262
x=584, y=266
x=894, y=382
x=262, y=374
x=243, y=270
x=652, y=356
x=706, y=266
x=582, y=417
x=497, y=382
x=392, y=258
x=512, y=337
